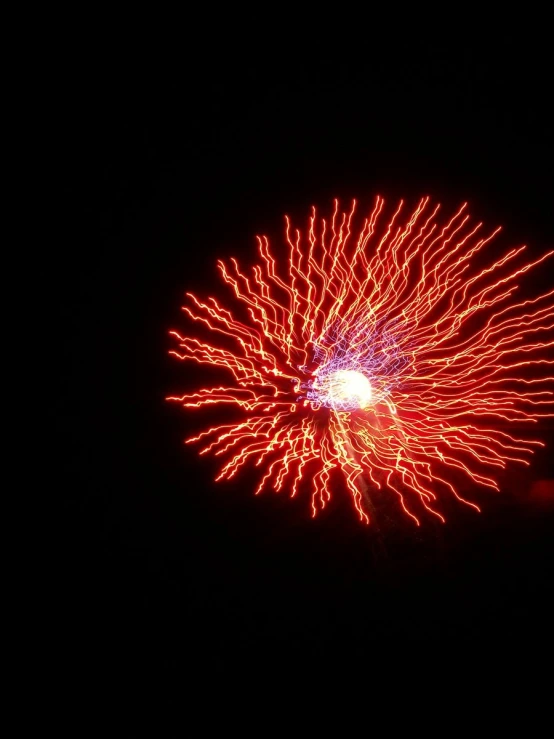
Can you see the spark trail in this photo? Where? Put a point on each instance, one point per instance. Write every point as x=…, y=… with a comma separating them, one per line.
x=385, y=356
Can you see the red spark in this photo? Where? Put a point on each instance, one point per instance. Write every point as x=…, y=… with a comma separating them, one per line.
x=387, y=356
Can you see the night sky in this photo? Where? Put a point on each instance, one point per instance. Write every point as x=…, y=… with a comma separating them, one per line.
x=172, y=158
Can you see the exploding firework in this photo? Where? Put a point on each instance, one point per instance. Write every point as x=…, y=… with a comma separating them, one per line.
x=386, y=357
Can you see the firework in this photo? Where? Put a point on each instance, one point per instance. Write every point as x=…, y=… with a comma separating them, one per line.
x=383, y=357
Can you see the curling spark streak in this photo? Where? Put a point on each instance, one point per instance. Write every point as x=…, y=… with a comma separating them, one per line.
x=386, y=356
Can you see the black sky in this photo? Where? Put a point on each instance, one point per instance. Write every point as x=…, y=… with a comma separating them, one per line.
x=173, y=155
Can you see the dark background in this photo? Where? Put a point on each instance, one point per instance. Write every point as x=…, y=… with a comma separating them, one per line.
x=175, y=151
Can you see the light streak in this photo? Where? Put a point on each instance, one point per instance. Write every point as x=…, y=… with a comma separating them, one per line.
x=389, y=355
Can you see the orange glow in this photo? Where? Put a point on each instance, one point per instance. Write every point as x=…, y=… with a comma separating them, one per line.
x=383, y=354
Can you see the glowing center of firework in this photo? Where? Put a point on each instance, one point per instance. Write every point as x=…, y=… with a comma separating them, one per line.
x=345, y=389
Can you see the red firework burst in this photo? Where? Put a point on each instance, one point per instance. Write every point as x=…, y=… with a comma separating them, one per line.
x=387, y=356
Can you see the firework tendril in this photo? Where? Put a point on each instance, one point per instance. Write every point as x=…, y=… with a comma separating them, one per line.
x=386, y=357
